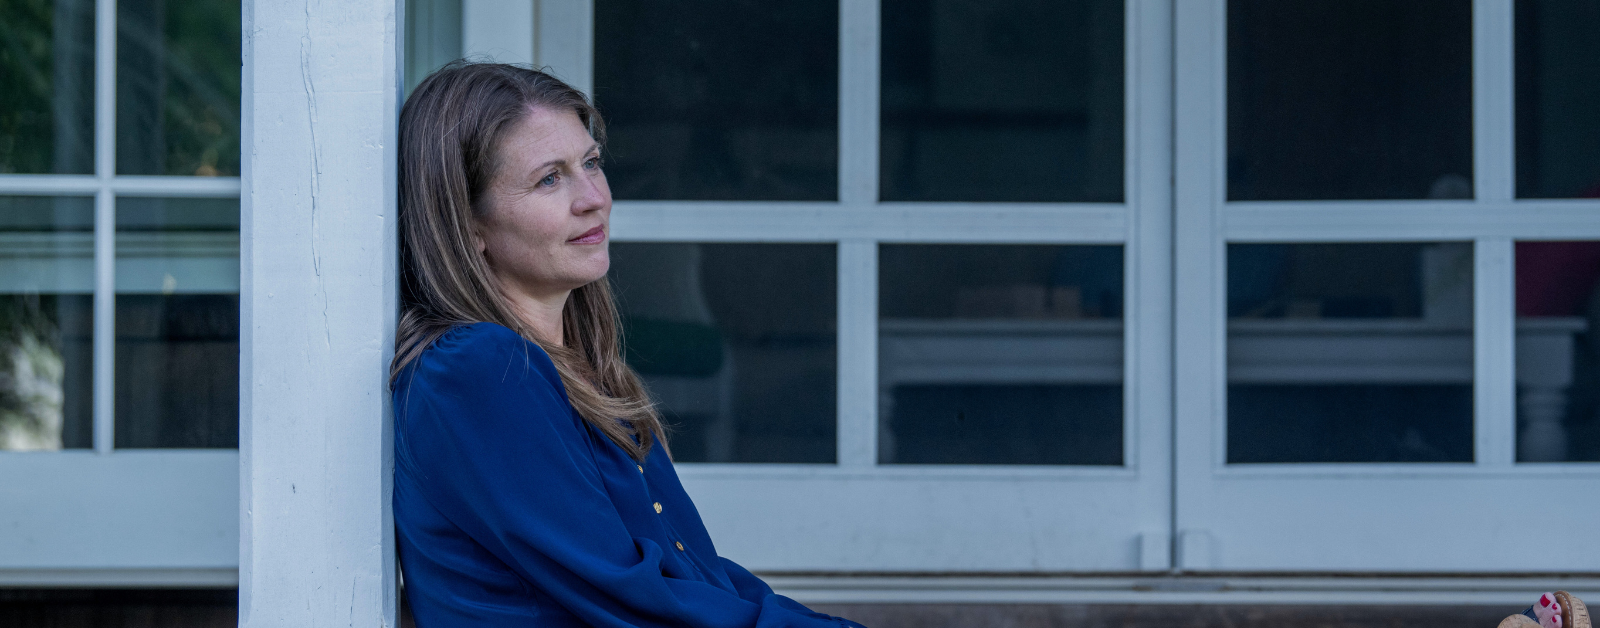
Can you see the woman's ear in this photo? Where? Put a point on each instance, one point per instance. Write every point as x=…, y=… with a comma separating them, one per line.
x=475, y=235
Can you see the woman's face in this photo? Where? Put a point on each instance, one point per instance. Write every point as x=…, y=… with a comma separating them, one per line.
x=549, y=208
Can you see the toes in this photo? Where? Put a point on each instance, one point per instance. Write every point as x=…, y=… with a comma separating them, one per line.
x=1549, y=611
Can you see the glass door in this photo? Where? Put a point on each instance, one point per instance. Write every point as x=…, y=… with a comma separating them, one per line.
x=1381, y=363
x=896, y=271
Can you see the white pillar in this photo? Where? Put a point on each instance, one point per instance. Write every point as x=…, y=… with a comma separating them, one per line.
x=321, y=84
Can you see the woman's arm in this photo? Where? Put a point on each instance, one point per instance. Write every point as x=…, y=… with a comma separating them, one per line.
x=497, y=449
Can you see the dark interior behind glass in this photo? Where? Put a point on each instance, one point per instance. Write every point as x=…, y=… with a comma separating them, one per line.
x=1349, y=99
x=1558, y=98
x=737, y=343
x=177, y=323
x=1350, y=352
x=1000, y=354
x=730, y=100
x=1010, y=100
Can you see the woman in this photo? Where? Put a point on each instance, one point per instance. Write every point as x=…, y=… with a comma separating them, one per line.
x=532, y=485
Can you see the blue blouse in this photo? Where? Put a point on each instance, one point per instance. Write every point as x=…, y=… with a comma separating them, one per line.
x=511, y=510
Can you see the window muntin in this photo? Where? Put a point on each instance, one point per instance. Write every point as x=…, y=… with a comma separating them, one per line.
x=734, y=100
x=178, y=87
x=1019, y=100
x=47, y=87
x=1359, y=99
x=737, y=342
x=1557, y=96
x=1350, y=352
x=1000, y=354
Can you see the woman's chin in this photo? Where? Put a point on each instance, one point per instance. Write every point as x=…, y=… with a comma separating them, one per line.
x=597, y=265
x=586, y=276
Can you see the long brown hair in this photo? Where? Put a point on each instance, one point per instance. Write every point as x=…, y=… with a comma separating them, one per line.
x=450, y=131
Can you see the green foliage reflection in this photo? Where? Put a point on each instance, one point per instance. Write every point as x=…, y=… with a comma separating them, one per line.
x=46, y=86
x=178, y=87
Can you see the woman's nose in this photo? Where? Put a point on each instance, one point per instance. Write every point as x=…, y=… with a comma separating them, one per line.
x=593, y=194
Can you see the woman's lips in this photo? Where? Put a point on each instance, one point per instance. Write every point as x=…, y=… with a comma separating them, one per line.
x=592, y=236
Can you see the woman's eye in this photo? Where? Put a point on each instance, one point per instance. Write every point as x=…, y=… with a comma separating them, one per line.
x=548, y=180
x=592, y=163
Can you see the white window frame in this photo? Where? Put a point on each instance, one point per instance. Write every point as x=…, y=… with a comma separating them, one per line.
x=106, y=516
x=1368, y=517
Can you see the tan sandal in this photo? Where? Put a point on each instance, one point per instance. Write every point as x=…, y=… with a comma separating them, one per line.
x=1518, y=621
x=1574, y=614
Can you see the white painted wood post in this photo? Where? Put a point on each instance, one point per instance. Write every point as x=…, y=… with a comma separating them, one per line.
x=321, y=83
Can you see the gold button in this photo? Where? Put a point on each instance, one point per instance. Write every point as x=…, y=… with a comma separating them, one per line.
x=658, y=508
x=641, y=467
x=680, y=545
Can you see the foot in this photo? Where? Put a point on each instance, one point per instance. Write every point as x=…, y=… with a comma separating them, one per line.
x=1549, y=611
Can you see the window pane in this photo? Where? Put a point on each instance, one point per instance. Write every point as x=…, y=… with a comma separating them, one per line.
x=1558, y=95
x=1000, y=354
x=1558, y=351
x=46, y=323
x=47, y=86
x=1350, y=352
x=178, y=87
x=433, y=37
x=737, y=342
x=1349, y=99
x=733, y=100
x=177, y=355
x=1013, y=100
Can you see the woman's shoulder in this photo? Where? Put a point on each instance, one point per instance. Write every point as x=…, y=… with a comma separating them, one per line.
x=477, y=336
x=482, y=354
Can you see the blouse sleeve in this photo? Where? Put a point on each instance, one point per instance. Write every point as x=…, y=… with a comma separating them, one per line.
x=497, y=450
x=756, y=590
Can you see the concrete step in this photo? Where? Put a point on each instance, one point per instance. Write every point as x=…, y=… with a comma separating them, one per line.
x=1165, y=616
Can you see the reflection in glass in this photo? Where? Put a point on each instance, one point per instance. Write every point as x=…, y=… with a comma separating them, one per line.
x=1000, y=354
x=177, y=353
x=1350, y=352
x=1011, y=100
x=1558, y=95
x=46, y=323
x=178, y=87
x=737, y=343
x=1354, y=99
x=433, y=37
x=47, y=86
x=732, y=100
x=1558, y=351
